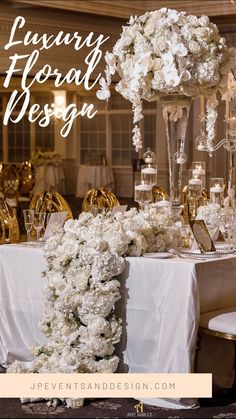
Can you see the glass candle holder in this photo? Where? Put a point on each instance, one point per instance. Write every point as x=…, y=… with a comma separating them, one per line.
x=149, y=173
x=194, y=184
x=217, y=191
x=199, y=170
x=143, y=193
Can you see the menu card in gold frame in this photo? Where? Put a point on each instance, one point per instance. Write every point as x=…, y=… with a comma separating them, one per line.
x=202, y=236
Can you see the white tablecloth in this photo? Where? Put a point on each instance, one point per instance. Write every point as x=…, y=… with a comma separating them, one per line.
x=93, y=177
x=49, y=177
x=161, y=303
x=164, y=301
x=21, y=301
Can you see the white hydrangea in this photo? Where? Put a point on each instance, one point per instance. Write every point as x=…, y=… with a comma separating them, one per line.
x=210, y=214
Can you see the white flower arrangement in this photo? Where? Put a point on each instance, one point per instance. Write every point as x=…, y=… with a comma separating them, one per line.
x=210, y=213
x=167, y=52
x=46, y=157
x=84, y=260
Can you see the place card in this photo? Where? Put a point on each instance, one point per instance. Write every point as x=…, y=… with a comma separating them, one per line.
x=56, y=221
x=118, y=208
x=202, y=236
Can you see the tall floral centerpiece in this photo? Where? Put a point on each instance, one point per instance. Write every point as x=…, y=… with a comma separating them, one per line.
x=169, y=56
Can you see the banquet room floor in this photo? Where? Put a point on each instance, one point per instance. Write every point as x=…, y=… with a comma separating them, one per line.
x=218, y=407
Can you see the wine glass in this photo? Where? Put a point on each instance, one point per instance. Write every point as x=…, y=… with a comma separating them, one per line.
x=29, y=220
x=228, y=222
x=143, y=192
x=39, y=220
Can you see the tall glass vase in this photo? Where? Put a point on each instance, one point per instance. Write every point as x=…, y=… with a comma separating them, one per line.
x=175, y=110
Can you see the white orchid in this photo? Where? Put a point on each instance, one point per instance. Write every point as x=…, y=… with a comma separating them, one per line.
x=164, y=52
x=104, y=92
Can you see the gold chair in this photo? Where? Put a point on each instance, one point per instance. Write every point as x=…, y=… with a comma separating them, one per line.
x=10, y=180
x=49, y=202
x=26, y=181
x=101, y=197
x=1, y=180
x=9, y=227
x=159, y=194
x=221, y=324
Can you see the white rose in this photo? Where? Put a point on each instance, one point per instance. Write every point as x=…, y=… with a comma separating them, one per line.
x=81, y=282
x=97, y=326
x=97, y=244
x=179, y=49
x=55, y=278
x=159, y=44
x=194, y=47
x=68, y=248
x=185, y=75
x=171, y=76
x=158, y=63
x=150, y=26
x=141, y=243
x=203, y=20
x=203, y=34
x=193, y=20
x=172, y=17
x=167, y=58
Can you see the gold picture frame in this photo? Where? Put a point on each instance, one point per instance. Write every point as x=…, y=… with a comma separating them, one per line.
x=202, y=236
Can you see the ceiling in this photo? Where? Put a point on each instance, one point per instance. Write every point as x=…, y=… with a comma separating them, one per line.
x=124, y=8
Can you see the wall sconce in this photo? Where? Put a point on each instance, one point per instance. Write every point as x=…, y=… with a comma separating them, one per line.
x=59, y=104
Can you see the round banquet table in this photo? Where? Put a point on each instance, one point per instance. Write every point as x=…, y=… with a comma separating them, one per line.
x=49, y=177
x=89, y=177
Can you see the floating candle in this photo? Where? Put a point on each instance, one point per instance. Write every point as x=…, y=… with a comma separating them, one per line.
x=143, y=187
x=163, y=203
x=201, y=147
x=232, y=122
x=195, y=182
x=149, y=170
x=198, y=171
x=216, y=189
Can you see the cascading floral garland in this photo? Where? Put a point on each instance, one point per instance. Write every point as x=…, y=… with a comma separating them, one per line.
x=83, y=262
x=168, y=52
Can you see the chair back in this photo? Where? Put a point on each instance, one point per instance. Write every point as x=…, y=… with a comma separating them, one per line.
x=159, y=193
x=10, y=180
x=9, y=227
x=101, y=197
x=27, y=178
x=49, y=202
x=1, y=180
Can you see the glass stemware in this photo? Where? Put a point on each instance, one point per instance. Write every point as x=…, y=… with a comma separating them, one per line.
x=39, y=220
x=28, y=220
x=229, y=226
